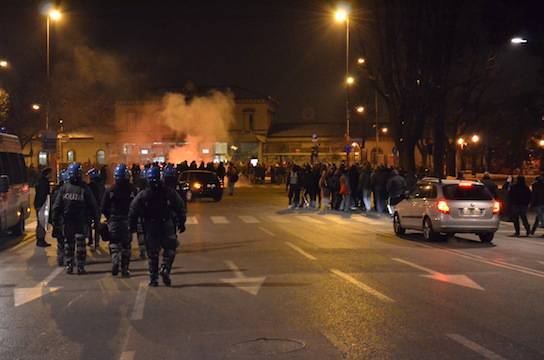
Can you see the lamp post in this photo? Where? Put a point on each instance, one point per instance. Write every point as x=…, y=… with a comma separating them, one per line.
x=342, y=15
x=4, y=64
x=51, y=15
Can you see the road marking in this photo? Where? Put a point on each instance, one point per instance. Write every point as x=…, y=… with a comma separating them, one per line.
x=362, y=286
x=477, y=348
x=139, y=303
x=26, y=240
x=219, y=220
x=127, y=355
x=309, y=219
x=25, y=295
x=251, y=285
x=457, y=279
x=300, y=251
x=191, y=220
x=279, y=219
x=249, y=219
x=496, y=263
x=266, y=231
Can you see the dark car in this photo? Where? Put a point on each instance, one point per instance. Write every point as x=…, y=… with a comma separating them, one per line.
x=201, y=184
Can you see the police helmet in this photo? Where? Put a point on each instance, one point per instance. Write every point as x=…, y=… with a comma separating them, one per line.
x=93, y=174
x=74, y=172
x=168, y=172
x=121, y=173
x=63, y=176
x=153, y=175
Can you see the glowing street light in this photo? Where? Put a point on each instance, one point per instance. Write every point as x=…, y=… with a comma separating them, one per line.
x=54, y=14
x=385, y=130
x=541, y=143
x=4, y=64
x=341, y=14
x=460, y=141
x=518, y=40
x=475, y=138
x=36, y=107
x=350, y=80
x=360, y=109
x=361, y=61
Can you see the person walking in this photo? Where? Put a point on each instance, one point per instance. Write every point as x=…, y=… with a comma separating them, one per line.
x=232, y=177
x=365, y=184
x=324, y=188
x=163, y=214
x=345, y=192
x=57, y=232
x=41, y=202
x=520, y=197
x=73, y=205
x=490, y=185
x=115, y=206
x=537, y=203
x=98, y=189
x=293, y=183
x=396, y=186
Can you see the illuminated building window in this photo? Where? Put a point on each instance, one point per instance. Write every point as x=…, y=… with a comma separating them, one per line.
x=101, y=157
x=71, y=156
x=42, y=158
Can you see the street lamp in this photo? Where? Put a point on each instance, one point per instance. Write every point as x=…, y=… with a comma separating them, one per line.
x=36, y=107
x=360, y=61
x=360, y=109
x=342, y=16
x=461, y=141
x=541, y=143
x=51, y=15
x=475, y=138
x=518, y=40
x=4, y=64
x=385, y=130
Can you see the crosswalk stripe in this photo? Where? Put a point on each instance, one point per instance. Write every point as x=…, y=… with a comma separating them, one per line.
x=249, y=219
x=279, y=219
x=219, y=220
x=309, y=219
x=191, y=220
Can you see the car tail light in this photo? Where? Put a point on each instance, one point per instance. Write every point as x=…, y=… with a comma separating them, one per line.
x=443, y=207
x=465, y=184
x=496, y=207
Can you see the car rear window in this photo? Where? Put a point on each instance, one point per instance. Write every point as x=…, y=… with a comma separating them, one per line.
x=199, y=176
x=474, y=192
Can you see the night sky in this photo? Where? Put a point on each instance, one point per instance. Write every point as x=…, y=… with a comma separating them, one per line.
x=291, y=50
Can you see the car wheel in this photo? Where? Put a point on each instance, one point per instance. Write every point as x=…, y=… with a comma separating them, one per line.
x=399, y=230
x=428, y=232
x=486, y=237
x=19, y=228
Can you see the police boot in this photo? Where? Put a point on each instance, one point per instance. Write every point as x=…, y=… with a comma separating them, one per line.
x=125, y=261
x=69, y=267
x=153, y=262
x=115, y=259
x=81, y=270
x=165, y=274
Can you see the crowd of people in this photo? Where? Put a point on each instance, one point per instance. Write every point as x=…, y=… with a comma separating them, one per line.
x=344, y=188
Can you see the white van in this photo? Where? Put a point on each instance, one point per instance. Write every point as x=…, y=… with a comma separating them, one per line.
x=14, y=187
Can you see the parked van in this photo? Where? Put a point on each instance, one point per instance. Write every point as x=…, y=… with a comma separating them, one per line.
x=14, y=187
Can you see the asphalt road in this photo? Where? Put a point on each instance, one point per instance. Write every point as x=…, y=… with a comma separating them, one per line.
x=253, y=280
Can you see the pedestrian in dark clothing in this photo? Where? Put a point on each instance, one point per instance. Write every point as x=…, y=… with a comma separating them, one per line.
x=537, y=203
x=221, y=171
x=57, y=232
x=104, y=175
x=490, y=185
x=396, y=186
x=334, y=185
x=193, y=165
x=293, y=184
x=379, y=183
x=354, y=185
x=43, y=190
x=365, y=186
x=520, y=198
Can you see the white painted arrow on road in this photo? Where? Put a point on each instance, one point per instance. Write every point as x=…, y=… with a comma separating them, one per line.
x=22, y=296
x=457, y=279
x=251, y=285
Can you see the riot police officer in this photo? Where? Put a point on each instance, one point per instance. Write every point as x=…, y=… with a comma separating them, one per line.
x=170, y=178
x=141, y=185
x=74, y=204
x=98, y=189
x=115, y=207
x=57, y=229
x=156, y=206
